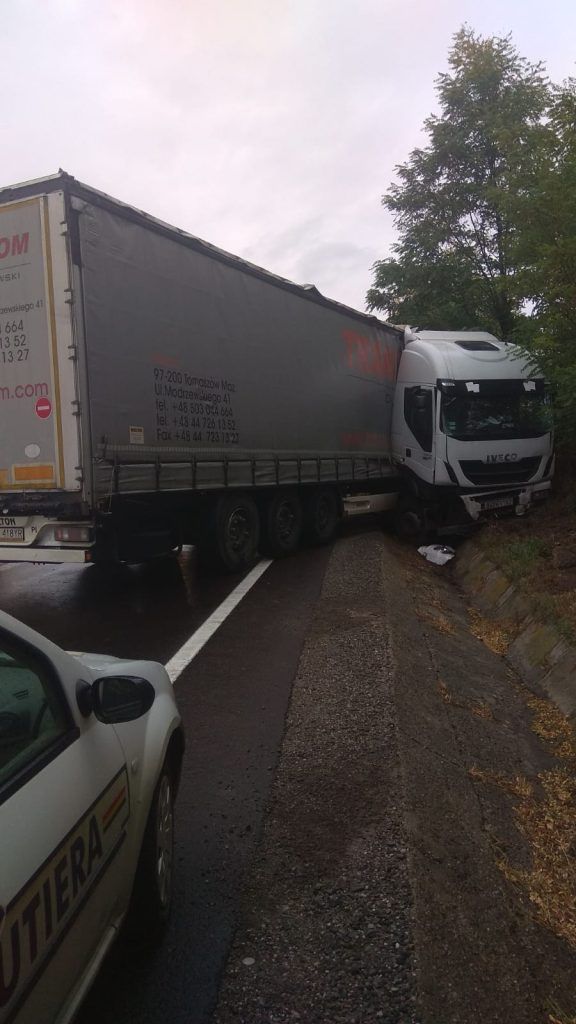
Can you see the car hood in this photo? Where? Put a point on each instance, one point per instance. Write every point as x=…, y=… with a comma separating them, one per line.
x=98, y=662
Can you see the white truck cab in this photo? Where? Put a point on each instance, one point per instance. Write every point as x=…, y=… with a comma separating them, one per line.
x=471, y=431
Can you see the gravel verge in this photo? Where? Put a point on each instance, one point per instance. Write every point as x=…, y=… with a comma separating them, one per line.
x=325, y=930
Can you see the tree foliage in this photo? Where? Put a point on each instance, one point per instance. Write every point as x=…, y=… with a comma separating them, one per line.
x=548, y=251
x=486, y=213
x=455, y=204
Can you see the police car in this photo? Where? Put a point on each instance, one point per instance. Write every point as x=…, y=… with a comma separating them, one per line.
x=90, y=755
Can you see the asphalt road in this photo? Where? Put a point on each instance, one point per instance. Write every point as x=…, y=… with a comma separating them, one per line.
x=392, y=813
x=233, y=698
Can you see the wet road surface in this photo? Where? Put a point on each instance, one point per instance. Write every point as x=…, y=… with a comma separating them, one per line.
x=150, y=609
x=233, y=699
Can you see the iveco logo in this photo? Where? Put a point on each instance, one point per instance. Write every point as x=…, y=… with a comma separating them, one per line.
x=506, y=457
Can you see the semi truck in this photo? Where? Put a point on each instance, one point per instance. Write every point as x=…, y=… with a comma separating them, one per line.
x=157, y=391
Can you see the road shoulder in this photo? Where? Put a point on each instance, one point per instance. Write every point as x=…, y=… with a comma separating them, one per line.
x=324, y=932
x=473, y=768
x=393, y=881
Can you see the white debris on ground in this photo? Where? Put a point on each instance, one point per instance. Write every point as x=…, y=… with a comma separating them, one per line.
x=439, y=554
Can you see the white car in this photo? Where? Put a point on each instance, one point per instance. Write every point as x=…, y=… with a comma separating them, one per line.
x=90, y=756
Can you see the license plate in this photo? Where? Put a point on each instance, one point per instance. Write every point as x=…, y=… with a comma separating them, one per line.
x=498, y=503
x=11, y=533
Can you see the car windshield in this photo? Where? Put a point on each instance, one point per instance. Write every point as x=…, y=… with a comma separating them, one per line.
x=476, y=417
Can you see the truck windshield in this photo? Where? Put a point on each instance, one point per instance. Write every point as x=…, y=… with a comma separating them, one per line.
x=476, y=417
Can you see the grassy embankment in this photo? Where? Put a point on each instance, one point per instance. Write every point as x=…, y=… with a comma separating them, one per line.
x=538, y=553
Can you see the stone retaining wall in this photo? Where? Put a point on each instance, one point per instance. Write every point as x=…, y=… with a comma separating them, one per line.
x=538, y=651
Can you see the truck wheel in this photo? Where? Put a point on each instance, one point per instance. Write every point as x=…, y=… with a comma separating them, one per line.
x=410, y=521
x=229, y=542
x=321, y=516
x=282, y=524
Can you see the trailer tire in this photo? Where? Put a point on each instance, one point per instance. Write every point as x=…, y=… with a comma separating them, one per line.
x=321, y=516
x=229, y=540
x=282, y=520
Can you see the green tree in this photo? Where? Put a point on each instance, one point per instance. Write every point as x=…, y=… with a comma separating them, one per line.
x=548, y=252
x=455, y=203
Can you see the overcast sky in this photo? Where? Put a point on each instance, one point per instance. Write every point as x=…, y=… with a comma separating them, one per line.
x=268, y=127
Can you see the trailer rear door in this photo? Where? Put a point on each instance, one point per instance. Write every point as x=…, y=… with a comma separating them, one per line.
x=39, y=431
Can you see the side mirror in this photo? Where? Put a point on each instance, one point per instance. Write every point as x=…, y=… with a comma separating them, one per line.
x=121, y=698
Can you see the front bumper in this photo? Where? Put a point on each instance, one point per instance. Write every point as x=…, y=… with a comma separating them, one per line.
x=517, y=500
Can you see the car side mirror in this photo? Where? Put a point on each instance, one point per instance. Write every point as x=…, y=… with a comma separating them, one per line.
x=121, y=698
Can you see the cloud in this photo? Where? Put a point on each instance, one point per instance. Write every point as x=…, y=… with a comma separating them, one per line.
x=271, y=130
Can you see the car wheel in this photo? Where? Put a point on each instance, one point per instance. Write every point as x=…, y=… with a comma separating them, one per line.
x=152, y=896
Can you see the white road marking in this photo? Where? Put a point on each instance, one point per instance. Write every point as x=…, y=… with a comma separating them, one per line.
x=179, y=661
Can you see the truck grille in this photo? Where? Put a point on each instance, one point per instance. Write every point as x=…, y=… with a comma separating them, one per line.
x=500, y=472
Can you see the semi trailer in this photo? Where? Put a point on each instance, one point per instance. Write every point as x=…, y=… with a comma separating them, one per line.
x=157, y=391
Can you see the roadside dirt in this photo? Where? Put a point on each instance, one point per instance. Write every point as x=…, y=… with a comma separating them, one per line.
x=488, y=770
x=417, y=862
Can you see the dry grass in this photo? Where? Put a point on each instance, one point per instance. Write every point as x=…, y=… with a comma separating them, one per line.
x=439, y=621
x=558, y=1017
x=446, y=694
x=549, y=826
x=476, y=707
x=492, y=634
x=545, y=814
x=519, y=786
x=482, y=710
x=553, y=727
